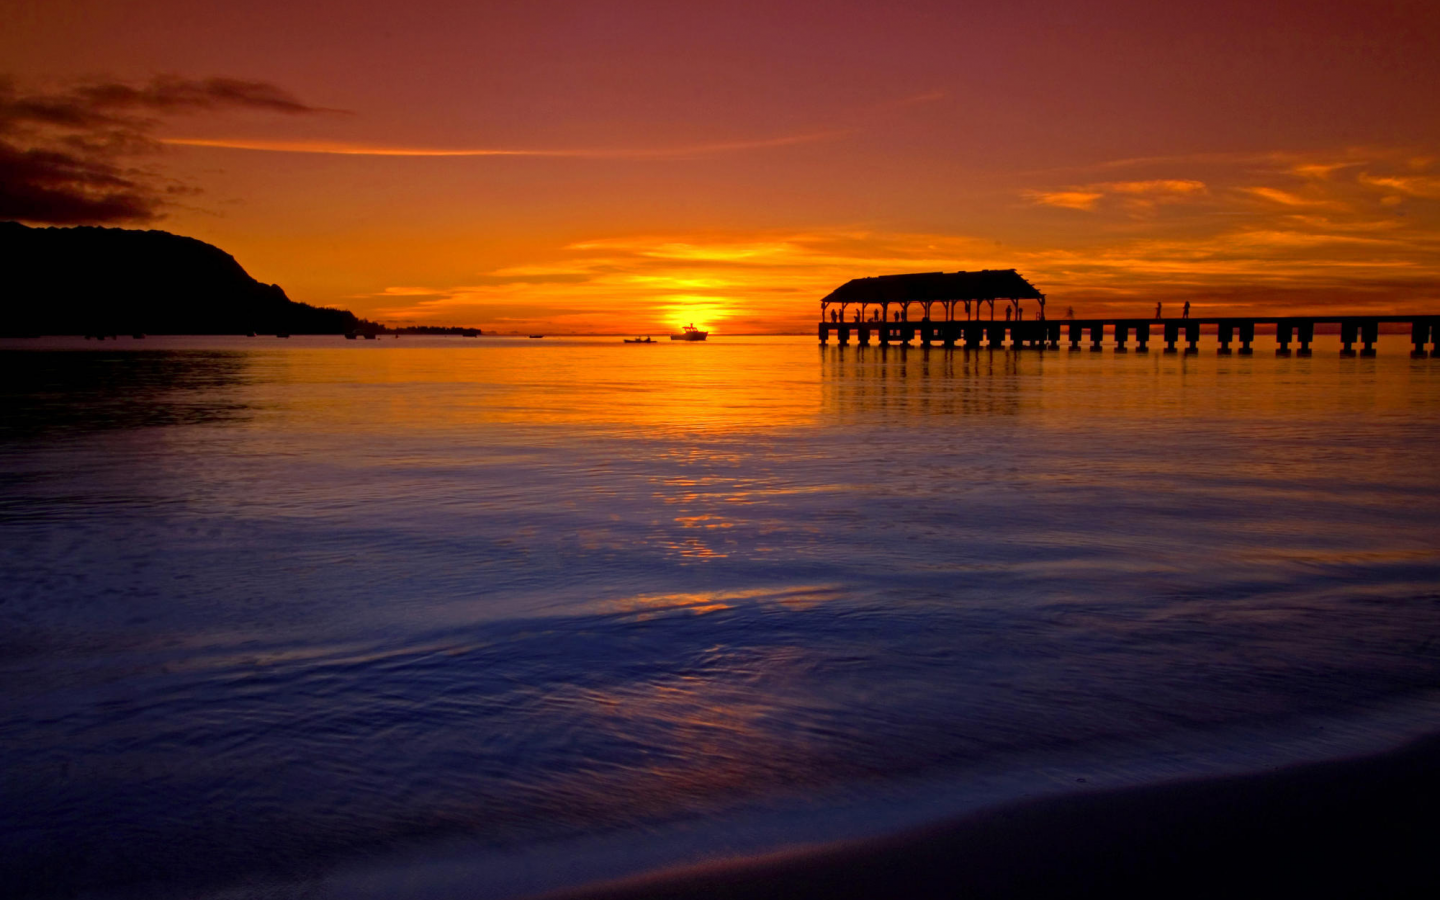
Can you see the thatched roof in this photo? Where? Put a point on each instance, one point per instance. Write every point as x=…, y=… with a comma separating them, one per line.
x=989, y=284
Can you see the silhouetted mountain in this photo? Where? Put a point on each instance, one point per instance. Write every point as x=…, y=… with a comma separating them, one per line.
x=115, y=281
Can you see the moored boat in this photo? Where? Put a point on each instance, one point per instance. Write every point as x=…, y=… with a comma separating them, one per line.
x=644, y=340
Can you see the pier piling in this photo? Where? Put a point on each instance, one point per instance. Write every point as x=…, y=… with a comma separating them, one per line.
x=1348, y=333
x=1039, y=334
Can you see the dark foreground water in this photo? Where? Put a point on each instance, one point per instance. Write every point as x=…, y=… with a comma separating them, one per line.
x=309, y=618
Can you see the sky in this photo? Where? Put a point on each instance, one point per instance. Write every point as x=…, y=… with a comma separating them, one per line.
x=633, y=167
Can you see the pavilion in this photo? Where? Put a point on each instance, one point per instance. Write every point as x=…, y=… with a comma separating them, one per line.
x=949, y=290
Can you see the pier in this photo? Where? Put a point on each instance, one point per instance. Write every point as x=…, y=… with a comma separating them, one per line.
x=879, y=309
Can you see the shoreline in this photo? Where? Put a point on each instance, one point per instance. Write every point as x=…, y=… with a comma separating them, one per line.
x=1361, y=826
x=824, y=846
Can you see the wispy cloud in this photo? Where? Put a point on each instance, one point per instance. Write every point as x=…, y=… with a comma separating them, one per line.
x=620, y=153
x=1282, y=197
x=1076, y=199
x=1427, y=187
x=1137, y=196
x=725, y=281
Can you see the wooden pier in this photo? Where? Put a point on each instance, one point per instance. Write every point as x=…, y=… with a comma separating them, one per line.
x=1234, y=334
x=862, y=309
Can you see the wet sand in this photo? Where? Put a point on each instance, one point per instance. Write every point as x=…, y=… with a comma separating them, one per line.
x=1363, y=827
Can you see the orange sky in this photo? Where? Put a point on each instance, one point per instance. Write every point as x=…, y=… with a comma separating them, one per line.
x=636, y=166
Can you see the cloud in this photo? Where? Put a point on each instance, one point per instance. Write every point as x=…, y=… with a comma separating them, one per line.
x=1252, y=231
x=1160, y=187
x=1427, y=187
x=334, y=148
x=63, y=153
x=1137, y=196
x=680, y=152
x=171, y=94
x=722, y=281
x=1077, y=199
x=1284, y=198
x=67, y=189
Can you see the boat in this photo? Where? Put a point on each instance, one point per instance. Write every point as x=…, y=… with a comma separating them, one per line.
x=644, y=340
x=691, y=333
x=349, y=335
x=536, y=336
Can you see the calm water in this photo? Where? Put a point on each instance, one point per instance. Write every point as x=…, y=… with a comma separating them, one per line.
x=341, y=616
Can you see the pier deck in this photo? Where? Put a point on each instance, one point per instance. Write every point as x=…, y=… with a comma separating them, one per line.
x=1049, y=333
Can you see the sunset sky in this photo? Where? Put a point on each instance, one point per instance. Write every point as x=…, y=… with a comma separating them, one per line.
x=632, y=167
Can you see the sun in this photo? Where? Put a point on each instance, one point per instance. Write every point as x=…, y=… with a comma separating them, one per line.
x=705, y=313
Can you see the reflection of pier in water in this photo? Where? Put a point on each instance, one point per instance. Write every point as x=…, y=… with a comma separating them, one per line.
x=872, y=300
x=900, y=383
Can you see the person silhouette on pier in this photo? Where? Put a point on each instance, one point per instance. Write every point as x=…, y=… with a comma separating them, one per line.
x=1186, y=313
x=1007, y=313
x=1157, y=311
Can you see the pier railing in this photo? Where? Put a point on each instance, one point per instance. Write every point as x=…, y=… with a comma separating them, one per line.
x=1049, y=333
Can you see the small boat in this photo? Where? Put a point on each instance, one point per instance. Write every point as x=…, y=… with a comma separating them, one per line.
x=644, y=340
x=370, y=335
x=537, y=336
x=691, y=333
x=349, y=335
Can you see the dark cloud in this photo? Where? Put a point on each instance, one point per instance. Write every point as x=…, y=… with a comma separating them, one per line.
x=62, y=152
x=60, y=188
x=169, y=94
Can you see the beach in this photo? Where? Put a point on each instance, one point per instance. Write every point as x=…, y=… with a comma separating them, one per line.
x=1348, y=828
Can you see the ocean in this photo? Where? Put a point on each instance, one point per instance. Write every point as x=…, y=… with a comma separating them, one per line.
x=437, y=617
